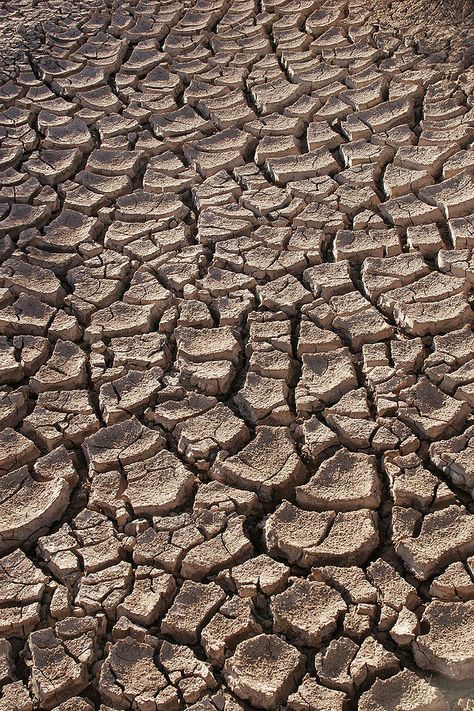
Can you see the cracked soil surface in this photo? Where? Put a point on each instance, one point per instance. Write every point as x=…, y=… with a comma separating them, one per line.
x=236, y=356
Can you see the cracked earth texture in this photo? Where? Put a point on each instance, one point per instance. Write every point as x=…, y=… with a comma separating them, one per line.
x=237, y=380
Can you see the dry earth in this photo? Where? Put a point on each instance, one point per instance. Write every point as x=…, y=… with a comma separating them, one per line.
x=237, y=373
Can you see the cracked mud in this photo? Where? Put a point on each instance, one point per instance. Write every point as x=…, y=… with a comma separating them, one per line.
x=236, y=370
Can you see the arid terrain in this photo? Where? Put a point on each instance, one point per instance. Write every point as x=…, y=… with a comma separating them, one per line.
x=236, y=355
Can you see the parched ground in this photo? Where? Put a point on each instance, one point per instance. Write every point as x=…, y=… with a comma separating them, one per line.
x=237, y=443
